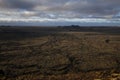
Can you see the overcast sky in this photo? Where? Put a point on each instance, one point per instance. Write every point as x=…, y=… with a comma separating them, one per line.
x=60, y=12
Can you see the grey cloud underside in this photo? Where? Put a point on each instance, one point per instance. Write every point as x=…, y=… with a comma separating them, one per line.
x=98, y=7
x=55, y=9
x=93, y=7
x=17, y=4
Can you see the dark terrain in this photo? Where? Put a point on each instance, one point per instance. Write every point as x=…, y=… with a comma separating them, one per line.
x=59, y=53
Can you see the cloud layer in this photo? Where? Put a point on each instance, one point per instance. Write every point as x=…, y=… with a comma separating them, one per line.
x=60, y=10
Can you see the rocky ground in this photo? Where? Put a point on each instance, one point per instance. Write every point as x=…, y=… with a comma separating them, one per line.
x=61, y=56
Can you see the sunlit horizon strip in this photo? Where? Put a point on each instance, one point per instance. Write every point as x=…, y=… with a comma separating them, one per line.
x=84, y=20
